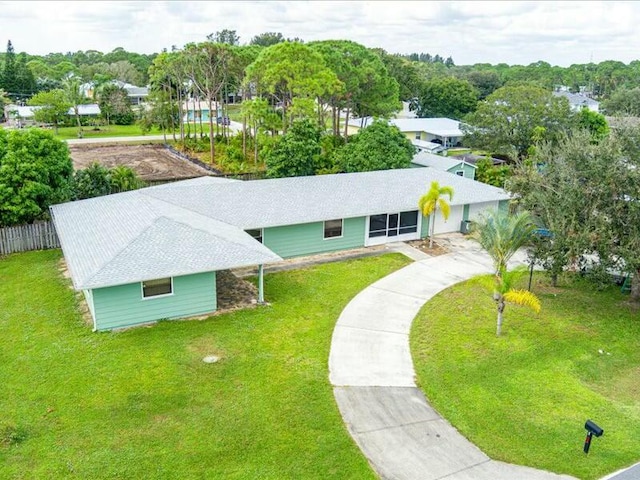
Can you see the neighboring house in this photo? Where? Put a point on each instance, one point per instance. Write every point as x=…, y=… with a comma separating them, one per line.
x=136, y=95
x=448, y=164
x=473, y=159
x=18, y=116
x=441, y=131
x=195, y=110
x=578, y=101
x=153, y=253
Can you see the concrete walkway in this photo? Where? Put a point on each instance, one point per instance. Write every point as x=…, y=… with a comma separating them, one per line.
x=372, y=373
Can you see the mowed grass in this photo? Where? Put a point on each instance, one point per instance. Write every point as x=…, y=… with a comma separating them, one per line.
x=524, y=397
x=142, y=404
x=70, y=133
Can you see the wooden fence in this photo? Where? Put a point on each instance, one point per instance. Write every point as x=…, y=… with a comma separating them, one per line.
x=23, y=238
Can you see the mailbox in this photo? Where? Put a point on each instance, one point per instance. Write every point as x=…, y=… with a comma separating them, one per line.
x=593, y=428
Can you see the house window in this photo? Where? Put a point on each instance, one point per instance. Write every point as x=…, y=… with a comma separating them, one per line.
x=256, y=233
x=393, y=224
x=408, y=222
x=333, y=228
x=460, y=173
x=418, y=135
x=155, y=288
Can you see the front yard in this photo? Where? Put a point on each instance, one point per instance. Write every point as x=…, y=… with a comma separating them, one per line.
x=142, y=403
x=524, y=397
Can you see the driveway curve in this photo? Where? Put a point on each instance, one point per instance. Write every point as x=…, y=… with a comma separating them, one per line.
x=372, y=374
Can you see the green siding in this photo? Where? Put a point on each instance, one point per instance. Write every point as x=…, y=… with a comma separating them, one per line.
x=88, y=295
x=503, y=205
x=308, y=238
x=469, y=171
x=123, y=305
x=465, y=212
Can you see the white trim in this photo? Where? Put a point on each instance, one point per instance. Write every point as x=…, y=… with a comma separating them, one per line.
x=324, y=229
x=156, y=296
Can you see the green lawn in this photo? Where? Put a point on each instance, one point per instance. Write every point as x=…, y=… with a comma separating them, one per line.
x=142, y=404
x=524, y=397
x=70, y=133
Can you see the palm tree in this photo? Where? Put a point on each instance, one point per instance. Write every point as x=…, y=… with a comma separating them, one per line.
x=501, y=235
x=74, y=95
x=504, y=292
x=431, y=201
x=123, y=179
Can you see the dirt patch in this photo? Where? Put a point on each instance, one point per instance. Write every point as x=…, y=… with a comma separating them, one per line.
x=423, y=245
x=233, y=292
x=151, y=162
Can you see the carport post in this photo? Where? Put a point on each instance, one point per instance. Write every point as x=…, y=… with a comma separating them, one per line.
x=260, y=284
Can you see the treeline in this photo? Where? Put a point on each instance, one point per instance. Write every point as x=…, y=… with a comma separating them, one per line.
x=601, y=79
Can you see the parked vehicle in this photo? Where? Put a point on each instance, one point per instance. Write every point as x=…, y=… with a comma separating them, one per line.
x=223, y=121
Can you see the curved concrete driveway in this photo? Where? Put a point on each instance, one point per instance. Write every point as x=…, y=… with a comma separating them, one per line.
x=372, y=373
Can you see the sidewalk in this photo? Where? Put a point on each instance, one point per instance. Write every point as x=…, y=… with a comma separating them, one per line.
x=372, y=373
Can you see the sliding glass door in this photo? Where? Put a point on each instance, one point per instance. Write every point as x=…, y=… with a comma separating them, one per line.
x=391, y=227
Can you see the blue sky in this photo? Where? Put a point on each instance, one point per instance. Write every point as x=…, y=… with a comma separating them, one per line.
x=560, y=33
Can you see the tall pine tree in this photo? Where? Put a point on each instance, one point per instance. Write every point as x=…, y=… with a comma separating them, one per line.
x=9, y=79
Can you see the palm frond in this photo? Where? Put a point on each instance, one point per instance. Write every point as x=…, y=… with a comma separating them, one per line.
x=426, y=205
x=445, y=208
x=524, y=298
x=447, y=190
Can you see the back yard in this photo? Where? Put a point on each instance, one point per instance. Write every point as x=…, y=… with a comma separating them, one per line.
x=142, y=403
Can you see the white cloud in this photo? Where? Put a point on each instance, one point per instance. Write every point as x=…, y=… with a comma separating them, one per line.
x=560, y=33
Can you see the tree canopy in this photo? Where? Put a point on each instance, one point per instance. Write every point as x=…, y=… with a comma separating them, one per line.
x=297, y=153
x=513, y=118
x=447, y=97
x=35, y=172
x=379, y=146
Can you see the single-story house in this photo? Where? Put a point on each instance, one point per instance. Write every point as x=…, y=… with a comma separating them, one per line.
x=153, y=253
x=23, y=115
x=578, y=101
x=453, y=165
x=442, y=131
x=195, y=110
x=136, y=95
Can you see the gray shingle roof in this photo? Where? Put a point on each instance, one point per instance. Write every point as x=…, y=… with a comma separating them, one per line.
x=130, y=237
x=198, y=225
x=289, y=201
x=435, y=161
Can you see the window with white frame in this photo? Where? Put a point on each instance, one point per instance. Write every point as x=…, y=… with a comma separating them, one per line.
x=158, y=287
x=460, y=173
x=418, y=135
x=333, y=228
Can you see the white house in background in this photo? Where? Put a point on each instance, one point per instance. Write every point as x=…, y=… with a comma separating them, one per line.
x=440, y=131
x=20, y=116
x=578, y=101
